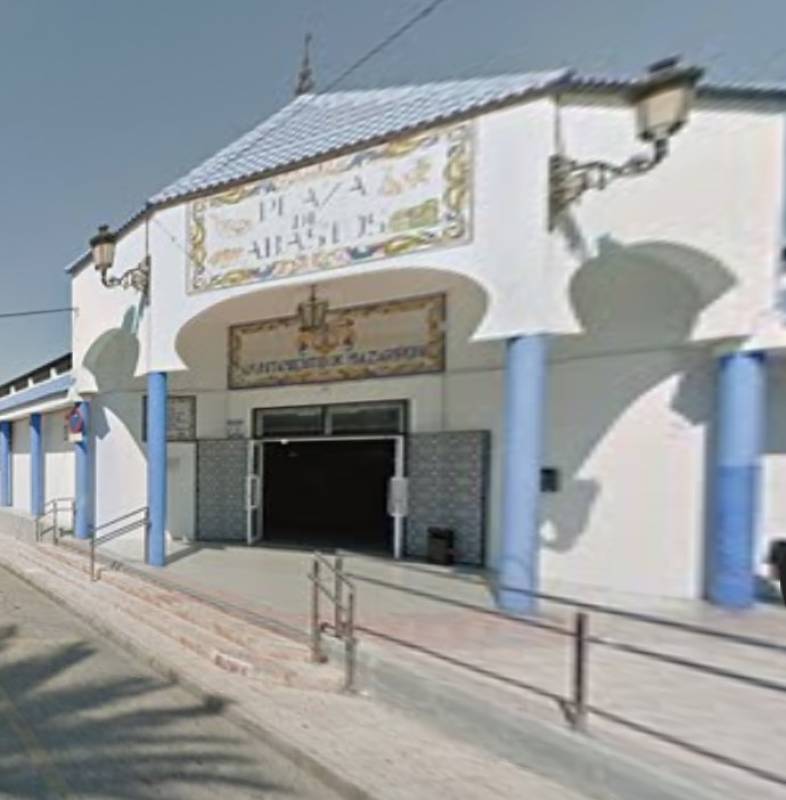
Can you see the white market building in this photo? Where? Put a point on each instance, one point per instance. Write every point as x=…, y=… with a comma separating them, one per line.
x=593, y=396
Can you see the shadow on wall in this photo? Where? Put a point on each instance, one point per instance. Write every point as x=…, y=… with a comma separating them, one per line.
x=112, y=359
x=640, y=302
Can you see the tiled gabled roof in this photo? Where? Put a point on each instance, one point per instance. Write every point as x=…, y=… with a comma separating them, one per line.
x=315, y=124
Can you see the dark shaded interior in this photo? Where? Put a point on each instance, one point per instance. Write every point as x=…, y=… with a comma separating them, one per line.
x=329, y=494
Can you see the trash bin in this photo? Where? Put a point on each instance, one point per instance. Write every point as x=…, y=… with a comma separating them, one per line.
x=440, y=546
x=777, y=560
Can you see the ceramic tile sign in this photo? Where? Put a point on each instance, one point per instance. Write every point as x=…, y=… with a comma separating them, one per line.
x=406, y=195
x=180, y=418
x=390, y=338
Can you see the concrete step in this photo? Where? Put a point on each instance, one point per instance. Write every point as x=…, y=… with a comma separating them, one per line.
x=157, y=617
x=456, y=744
x=255, y=644
x=195, y=626
x=265, y=646
x=246, y=648
x=354, y=745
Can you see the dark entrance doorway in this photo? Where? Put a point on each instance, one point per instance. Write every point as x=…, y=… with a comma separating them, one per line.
x=329, y=494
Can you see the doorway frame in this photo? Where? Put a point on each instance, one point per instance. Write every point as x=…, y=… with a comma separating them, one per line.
x=255, y=483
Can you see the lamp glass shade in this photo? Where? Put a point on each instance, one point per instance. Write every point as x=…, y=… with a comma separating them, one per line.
x=102, y=248
x=664, y=98
x=663, y=112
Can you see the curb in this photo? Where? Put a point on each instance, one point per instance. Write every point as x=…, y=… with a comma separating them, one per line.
x=225, y=706
x=577, y=761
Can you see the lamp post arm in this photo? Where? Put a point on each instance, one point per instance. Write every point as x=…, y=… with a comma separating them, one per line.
x=569, y=178
x=137, y=277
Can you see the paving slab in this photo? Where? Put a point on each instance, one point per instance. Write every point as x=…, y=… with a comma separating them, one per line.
x=739, y=723
x=363, y=749
x=80, y=718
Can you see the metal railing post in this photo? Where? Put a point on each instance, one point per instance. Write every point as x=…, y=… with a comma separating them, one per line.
x=338, y=592
x=54, y=522
x=578, y=715
x=316, y=644
x=146, y=536
x=350, y=645
x=92, y=554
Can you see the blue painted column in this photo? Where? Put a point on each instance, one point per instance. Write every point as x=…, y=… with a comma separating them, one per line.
x=525, y=391
x=85, y=486
x=6, y=429
x=739, y=436
x=36, y=465
x=156, y=465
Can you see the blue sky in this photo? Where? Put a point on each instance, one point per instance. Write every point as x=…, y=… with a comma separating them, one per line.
x=103, y=103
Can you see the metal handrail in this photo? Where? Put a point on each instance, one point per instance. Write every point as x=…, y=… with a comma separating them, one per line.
x=577, y=707
x=114, y=521
x=491, y=612
x=612, y=644
x=343, y=599
x=53, y=507
x=129, y=525
x=600, y=608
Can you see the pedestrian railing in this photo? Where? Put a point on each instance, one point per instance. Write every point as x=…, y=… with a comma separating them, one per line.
x=576, y=705
x=329, y=580
x=117, y=527
x=50, y=520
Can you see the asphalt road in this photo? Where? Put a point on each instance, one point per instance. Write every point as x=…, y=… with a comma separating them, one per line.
x=81, y=718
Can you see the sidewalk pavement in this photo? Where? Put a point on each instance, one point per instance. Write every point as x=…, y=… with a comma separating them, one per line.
x=711, y=712
x=79, y=718
x=361, y=748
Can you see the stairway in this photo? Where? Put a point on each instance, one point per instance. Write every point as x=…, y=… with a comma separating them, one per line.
x=165, y=614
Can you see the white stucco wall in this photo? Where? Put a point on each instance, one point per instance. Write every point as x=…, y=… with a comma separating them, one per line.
x=121, y=465
x=117, y=416
x=628, y=434
x=20, y=464
x=638, y=285
x=506, y=255
x=58, y=461
x=111, y=327
x=712, y=210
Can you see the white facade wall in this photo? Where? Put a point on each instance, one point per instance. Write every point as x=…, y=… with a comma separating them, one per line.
x=713, y=210
x=629, y=434
x=20, y=465
x=506, y=257
x=640, y=287
x=434, y=404
x=58, y=462
x=630, y=511
x=120, y=464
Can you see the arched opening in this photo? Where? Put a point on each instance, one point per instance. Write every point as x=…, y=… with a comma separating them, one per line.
x=328, y=438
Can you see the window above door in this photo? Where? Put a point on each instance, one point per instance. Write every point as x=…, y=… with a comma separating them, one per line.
x=382, y=418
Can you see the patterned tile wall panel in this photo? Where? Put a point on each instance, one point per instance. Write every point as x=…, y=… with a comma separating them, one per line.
x=221, y=478
x=448, y=474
